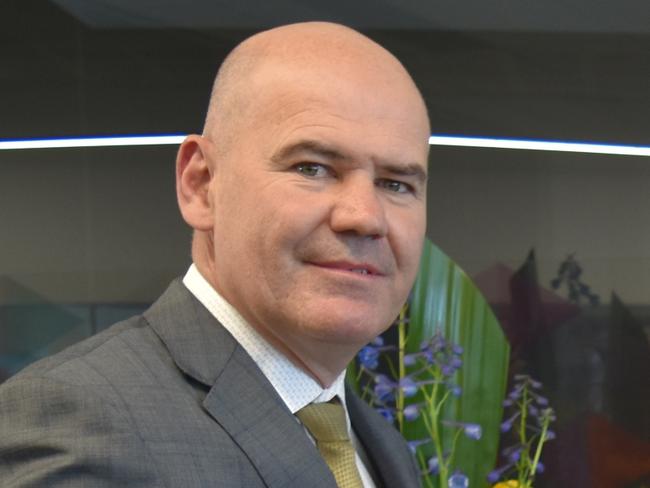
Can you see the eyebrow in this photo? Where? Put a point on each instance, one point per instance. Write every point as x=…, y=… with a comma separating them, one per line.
x=412, y=169
x=329, y=152
x=310, y=146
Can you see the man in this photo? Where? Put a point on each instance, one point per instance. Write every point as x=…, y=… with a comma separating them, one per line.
x=306, y=193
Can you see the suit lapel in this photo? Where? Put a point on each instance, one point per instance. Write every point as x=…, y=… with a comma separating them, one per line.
x=245, y=404
x=240, y=398
x=384, y=445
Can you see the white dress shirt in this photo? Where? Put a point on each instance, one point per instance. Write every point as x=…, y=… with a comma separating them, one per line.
x=296, y=388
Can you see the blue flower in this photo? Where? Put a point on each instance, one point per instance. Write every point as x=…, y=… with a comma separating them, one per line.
x=514, y=456
x=473, y=431
x=413, y=445
x=433, y=465
x=411, y=359
x=543, y=401
x=408, y=386
x=458, y=480
x=412, y=412
x=383, y=388
x=495, y=475
x=447, y=370
x=456, y=362
x=455, y=390
x=506, y=425
x=369, y=357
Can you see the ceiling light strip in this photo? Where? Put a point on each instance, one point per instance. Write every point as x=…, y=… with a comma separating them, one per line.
x=434, y=140
x=577, y=147
x=92, y=142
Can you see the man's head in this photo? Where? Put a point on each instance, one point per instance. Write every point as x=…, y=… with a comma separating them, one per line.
x=307, y=189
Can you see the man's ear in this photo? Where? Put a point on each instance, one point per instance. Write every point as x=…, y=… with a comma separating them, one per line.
x=193, y=177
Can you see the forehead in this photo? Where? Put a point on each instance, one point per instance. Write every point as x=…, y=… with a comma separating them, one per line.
x=358, y=107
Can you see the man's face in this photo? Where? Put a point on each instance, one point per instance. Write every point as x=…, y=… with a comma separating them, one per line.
x=319, y=208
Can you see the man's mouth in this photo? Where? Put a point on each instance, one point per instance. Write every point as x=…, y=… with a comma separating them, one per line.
x=362, y=271
x=358, y=268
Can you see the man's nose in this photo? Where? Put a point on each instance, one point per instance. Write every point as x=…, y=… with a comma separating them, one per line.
x=358, y=208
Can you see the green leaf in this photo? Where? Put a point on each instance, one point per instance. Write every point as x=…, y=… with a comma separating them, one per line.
x=445, y=298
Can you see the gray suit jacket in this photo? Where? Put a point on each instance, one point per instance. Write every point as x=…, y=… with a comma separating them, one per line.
x=169, y=399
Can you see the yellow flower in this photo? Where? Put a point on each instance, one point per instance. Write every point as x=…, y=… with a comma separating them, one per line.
x=507, y=484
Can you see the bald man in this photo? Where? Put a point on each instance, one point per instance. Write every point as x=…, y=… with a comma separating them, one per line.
x=307, y=196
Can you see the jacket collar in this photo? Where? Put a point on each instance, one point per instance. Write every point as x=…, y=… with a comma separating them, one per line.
x=391, y=463
x=240, y=398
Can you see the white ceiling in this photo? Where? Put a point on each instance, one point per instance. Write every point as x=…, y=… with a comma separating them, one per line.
x=597, y=16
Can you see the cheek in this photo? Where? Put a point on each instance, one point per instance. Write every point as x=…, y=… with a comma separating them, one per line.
x=407, y=238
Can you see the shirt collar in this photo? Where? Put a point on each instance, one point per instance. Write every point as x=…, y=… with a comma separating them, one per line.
x=296, y=388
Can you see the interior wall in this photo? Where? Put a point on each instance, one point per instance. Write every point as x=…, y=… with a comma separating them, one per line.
x=102, y=225
x=494, y=206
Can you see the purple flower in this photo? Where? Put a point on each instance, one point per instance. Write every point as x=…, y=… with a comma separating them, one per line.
x=515, y=394
x=377, y=341
x=514, y=456
x=408, y=386
x=383, y=387
x=458, y=480
x=473, y=431
x=493, y=476
x=412, y=412
x=543, y=401
x=413, y=445
x=369, y=357
x=411, y=359
x=447, y=370
x=506, y=425
x=539, y=468
x=433, y=465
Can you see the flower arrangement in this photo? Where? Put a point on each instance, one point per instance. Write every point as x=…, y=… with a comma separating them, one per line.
x=445, y=311
x=529, y=420
x=418, y=386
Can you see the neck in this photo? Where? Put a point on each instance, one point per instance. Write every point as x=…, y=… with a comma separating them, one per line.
x=321, y=360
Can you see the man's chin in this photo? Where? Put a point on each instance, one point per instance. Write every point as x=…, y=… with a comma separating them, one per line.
x=351, y=330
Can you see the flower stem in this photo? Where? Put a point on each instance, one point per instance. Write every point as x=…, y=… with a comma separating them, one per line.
x=540, y=444
x=437, y=441
x=401, y=328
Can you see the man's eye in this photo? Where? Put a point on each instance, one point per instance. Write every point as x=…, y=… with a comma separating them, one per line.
x=395, y=186
x=311, y=169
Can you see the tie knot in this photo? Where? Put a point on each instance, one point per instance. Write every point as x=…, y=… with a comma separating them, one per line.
x=325, y=421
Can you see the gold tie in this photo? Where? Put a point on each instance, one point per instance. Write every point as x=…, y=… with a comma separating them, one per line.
x=326, y=422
